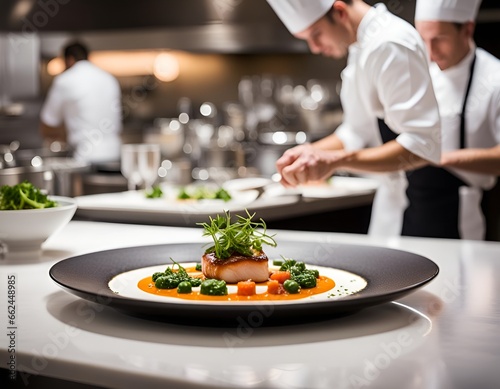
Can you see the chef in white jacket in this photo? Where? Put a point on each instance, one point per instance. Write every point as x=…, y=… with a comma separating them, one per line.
x=391, y=120
x=466, y=80
x=83, y=107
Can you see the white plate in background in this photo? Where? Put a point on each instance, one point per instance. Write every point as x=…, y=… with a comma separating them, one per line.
x=136, y=200
x=243, y=184
x=339, y=186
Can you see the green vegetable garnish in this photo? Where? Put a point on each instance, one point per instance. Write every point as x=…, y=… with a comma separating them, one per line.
x=213, y=287
x=154, y=193
x=223, y=194
x=241, y=237
x=170, y=279
x=23, y=196
x=167, y=282
x=183, y=195
x=291, y=286
x=184, y=287
x=306, y=278
x=203, y=193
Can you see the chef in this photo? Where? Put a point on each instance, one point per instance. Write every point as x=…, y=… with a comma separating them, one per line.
x=466, y=80
x=83, y=107
x=391, y=119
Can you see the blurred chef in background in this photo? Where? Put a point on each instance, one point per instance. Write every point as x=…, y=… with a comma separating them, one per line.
x=83, y=108
x=391, y=119
x=466, y=80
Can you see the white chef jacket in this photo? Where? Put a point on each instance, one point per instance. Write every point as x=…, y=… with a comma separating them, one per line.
x=387, y=77
x=482, y=125
x=88, y=101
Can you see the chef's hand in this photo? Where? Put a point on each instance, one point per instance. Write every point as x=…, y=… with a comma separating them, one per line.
x=305, y=163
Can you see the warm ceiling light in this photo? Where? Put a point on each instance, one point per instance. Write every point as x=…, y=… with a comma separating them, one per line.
x=166, y=67
x=21, y=9
x=55, y=66
x=124, y=63
x=128, y=63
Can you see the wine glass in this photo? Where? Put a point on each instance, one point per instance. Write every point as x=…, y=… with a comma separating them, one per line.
x=130, y=165
x=149, y=162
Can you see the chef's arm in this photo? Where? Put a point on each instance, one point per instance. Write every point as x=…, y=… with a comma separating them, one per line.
x=52, y=134
x=330, y=142
x=391, y=156
x=486, y=161
x=308, y=162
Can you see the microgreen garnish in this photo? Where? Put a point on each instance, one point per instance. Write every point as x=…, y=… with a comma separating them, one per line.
x=244, y=236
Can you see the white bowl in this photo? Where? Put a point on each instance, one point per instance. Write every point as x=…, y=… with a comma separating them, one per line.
x=25, y=230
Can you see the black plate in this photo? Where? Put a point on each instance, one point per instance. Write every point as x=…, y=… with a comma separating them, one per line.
x=390, y=274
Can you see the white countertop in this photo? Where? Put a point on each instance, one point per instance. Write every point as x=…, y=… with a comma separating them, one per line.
x=444, y=335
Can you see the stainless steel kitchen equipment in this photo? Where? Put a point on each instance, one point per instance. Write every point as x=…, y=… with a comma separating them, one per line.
x=66, y=172
x=68, y=175
x=41, y=177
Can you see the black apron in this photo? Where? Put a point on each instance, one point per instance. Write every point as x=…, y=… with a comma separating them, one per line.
x=433, y=192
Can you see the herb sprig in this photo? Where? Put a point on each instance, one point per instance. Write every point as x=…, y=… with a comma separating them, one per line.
x=243, y=236
x=154, y=193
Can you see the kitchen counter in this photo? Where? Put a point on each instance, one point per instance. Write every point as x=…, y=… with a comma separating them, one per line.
x=287, y=209
x=270, y=210
x=444, y=335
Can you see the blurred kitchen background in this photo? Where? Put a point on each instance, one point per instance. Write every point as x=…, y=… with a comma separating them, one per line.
x=220, y=84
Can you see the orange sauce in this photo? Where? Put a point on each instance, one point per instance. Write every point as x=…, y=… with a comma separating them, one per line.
x=324, y=284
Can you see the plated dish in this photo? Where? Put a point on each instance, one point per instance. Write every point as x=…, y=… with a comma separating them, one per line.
x=108, y=277
x=137, y=200
x=339, y=186
x=346, y=283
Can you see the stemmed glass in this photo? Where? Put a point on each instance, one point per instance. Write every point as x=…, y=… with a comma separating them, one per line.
x=149, y=163
x=130, y=165
x=140, y=163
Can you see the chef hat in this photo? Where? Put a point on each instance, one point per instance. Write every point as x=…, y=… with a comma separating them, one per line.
x=457, y=11
x=297, y=15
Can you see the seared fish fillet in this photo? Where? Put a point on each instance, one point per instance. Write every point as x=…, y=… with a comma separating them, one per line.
x=236, y=268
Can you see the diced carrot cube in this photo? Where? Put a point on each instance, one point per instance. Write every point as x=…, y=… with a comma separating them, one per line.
x=246, y=288
x=274, y=287
x=280, y=276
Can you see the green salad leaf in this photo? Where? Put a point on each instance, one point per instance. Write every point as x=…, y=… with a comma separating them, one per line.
x=23, y=196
